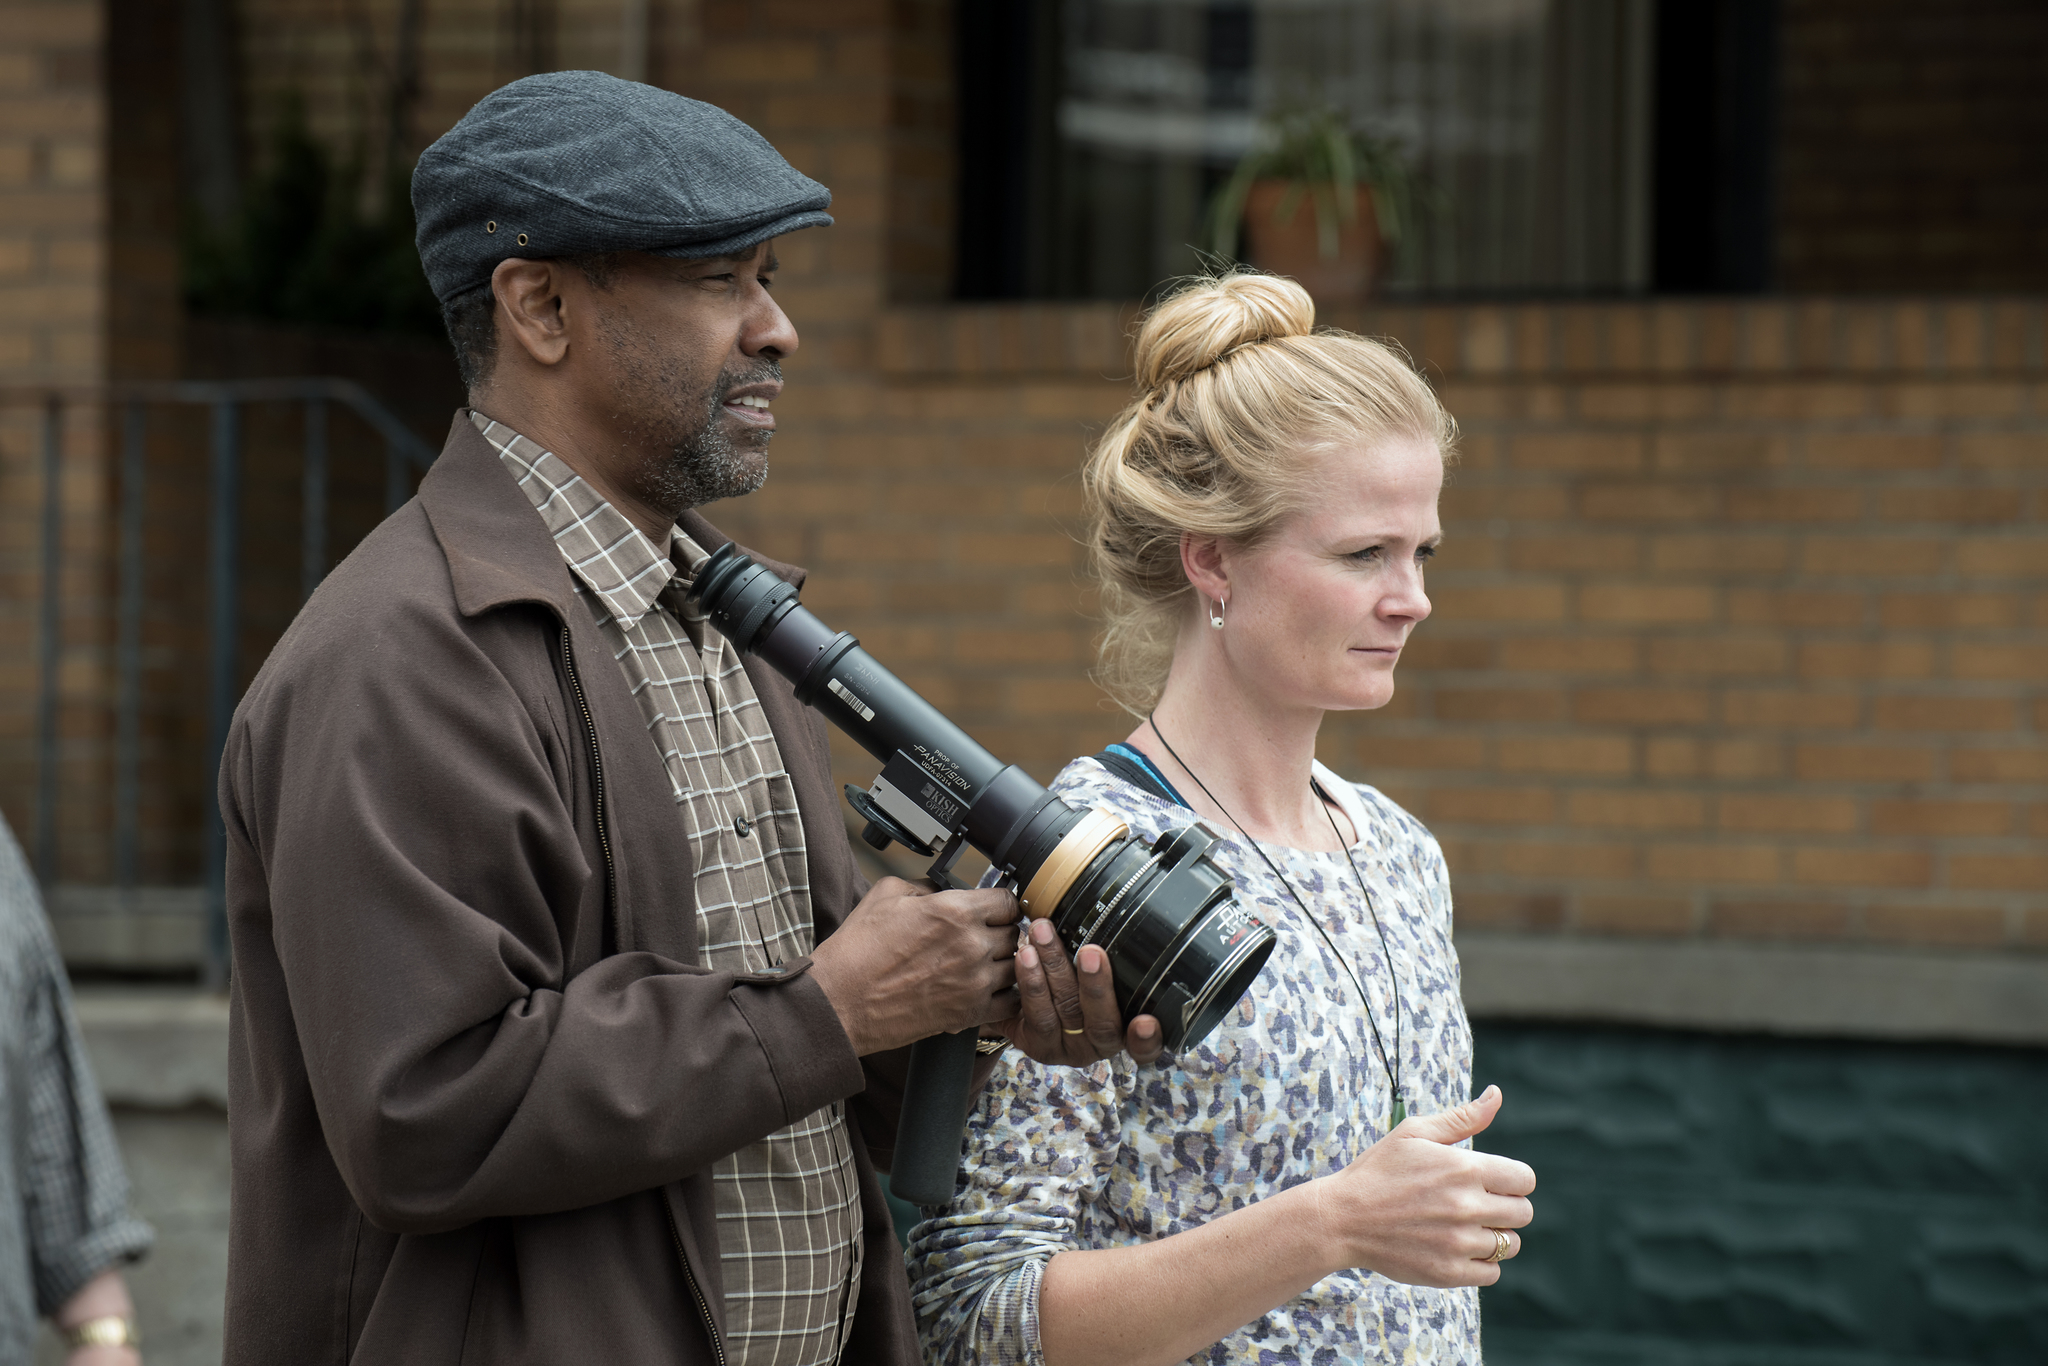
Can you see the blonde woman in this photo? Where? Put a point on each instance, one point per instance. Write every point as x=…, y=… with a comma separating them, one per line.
x=1298, y=1187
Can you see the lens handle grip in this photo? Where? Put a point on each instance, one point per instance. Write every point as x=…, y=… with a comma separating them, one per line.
x=934, y=1114
x=933, y=1119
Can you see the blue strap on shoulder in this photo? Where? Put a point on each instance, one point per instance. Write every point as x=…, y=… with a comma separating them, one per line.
x=1134, y=768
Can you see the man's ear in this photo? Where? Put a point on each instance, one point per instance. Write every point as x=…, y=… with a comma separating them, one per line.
x=1202, y=560
x=529, y=309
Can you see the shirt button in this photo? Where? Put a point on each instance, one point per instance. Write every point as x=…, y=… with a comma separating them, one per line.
x=741, y=825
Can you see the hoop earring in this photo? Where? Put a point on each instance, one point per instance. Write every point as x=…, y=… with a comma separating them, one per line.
x=1216, y=617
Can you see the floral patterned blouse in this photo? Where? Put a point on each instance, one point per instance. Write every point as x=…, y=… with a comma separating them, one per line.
x=1288, y=1088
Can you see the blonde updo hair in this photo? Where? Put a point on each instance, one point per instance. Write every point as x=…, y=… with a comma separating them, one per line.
x=1239, y=391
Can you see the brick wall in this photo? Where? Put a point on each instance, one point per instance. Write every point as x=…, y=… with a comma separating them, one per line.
x=1740, y=624
x=88, y=271
x=341, y=57
x=1740, y=629
x=53, y=300
x=52, y=189
x=816, y=77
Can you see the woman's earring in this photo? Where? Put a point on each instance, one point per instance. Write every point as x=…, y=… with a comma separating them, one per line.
x=1216, y=617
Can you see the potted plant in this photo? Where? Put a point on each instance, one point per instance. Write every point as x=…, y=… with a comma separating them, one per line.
x=1359, y=189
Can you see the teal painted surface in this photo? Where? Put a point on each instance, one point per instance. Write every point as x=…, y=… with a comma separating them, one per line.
x=1711, y=1200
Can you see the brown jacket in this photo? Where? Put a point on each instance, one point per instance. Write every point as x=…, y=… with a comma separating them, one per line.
x=477, y=1079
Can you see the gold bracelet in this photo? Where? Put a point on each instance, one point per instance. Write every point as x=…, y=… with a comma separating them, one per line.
x=108, y=1330
x=990, y=1045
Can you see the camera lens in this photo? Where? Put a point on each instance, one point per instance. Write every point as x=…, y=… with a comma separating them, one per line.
x=1179, y=946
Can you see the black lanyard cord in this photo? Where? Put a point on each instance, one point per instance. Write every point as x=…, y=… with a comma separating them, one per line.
x=1393, y=1064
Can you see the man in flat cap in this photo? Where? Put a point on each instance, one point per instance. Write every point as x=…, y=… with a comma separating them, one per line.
x=565, y=1028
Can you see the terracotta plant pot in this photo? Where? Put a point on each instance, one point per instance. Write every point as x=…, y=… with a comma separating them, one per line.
x=1291, y=248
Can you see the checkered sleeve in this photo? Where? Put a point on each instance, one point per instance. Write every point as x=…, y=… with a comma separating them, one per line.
x=74, y=1190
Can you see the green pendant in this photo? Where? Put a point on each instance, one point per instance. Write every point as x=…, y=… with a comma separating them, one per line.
x=1400, y=1113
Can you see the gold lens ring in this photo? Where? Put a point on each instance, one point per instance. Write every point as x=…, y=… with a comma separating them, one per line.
x=1094, y=832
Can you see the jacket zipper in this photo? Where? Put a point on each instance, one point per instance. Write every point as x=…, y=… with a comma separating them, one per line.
x=604, y=843
x=696, y=1292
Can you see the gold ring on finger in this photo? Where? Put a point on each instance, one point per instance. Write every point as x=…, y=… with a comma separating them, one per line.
x=1501, y=1244
x=1065, y=1030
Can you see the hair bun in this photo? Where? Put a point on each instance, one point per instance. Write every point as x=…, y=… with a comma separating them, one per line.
x=1209, y=318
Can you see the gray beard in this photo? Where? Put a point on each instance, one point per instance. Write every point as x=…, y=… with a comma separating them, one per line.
x=705, y=464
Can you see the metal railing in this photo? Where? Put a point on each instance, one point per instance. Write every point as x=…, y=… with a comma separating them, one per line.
x=404, y=453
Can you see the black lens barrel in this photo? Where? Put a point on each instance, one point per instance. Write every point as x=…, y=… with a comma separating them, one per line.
x=760, y=614
x=1175, y=948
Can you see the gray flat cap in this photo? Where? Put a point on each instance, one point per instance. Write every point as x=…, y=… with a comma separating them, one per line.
x=577, y=162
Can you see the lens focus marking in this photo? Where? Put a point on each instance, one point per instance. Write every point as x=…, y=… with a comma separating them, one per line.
x=1105, y=908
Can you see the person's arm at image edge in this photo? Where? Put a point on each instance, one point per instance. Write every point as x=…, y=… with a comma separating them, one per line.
x=77, y=1218
x=105, y=1296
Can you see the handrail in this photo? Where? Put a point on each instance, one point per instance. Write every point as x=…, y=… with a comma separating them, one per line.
x=403, y=449
x=210, y=391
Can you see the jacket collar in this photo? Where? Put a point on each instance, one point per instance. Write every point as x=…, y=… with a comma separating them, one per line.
x=499, y=550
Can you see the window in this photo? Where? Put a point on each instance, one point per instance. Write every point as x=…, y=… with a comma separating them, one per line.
x=1093, y=133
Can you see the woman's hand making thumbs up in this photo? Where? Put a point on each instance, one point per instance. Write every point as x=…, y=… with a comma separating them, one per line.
x=1418, y=1209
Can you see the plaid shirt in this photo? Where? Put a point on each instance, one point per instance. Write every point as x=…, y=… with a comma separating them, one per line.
x=789, y=1217
x=63, y=1196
